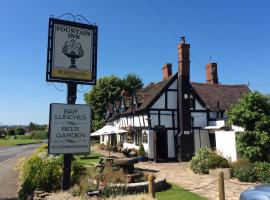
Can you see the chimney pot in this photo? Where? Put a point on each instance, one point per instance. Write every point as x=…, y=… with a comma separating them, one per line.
x=167, y=70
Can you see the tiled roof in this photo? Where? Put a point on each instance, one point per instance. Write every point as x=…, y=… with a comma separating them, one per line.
x=224, y=95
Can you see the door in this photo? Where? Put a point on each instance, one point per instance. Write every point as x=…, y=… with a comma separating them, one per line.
x=187, y=146
x=161, y=145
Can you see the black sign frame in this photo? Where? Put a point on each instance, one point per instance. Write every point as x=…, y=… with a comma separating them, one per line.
x=49, y=76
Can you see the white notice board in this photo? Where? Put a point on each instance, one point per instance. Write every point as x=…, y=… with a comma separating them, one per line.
x=69, y=128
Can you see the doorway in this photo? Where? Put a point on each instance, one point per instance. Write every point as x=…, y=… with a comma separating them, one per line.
x=161, y=145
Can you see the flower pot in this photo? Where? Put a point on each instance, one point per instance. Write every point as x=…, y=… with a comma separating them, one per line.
x=142, y=158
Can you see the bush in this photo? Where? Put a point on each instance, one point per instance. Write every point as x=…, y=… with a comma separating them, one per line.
x=262, y=171
x=200, y=162
x=11, y=132
x=217, y=161
x=44, y=173
x=19, y=131
x=246, y=173
x=141, y=151
x=206, y=159
x=39, y=135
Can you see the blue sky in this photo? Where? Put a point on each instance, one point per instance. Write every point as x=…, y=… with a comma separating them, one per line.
x=136, y=36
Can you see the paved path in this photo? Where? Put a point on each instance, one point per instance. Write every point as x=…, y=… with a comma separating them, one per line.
x=8, y=177
x=204, y=185
x=181, y=174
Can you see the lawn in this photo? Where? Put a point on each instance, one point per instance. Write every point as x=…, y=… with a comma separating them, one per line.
x=176, y=192
x=90, y=159
x=13, y=142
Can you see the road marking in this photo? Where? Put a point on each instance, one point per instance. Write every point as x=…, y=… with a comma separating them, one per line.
x=1, y=163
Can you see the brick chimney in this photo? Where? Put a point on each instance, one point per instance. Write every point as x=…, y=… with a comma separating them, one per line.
x=211, y=73
x=167, y=70
x=185, y=143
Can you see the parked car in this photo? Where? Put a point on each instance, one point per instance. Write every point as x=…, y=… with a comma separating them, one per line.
x=259, y=192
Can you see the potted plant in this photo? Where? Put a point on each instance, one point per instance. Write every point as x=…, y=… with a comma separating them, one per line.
x=141, y=154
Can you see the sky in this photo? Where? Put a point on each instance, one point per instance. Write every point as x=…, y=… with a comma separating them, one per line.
x=135, y=36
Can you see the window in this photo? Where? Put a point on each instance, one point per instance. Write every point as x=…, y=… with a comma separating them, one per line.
x=138, y=137
x=144, y=137
x=130, y=137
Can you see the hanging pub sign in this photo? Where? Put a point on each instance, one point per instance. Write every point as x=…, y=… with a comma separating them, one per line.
x=72, y=52
x=69, y=128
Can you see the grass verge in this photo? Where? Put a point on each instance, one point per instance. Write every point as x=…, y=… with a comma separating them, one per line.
x=176, y=192
x=89, y=159
x=13, y=142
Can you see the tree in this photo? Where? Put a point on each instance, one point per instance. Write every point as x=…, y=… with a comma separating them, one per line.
x=19, y=131
x=107, y=90
x=132, y=82
x=11, y=132
x=253, y=113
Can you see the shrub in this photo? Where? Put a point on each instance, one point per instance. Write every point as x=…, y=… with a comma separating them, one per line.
x=200, y=162
x=141, y=151
x=217, y=161
x=39, y=135
x=44, y=172
x=240, y=162
x=11, y=132
x=19, y=131
x=262, y=171
x=246, y=173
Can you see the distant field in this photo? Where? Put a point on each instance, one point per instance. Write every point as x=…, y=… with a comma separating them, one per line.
x=13, y=142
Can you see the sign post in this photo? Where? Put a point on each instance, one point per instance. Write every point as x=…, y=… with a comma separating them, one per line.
x=72, y=59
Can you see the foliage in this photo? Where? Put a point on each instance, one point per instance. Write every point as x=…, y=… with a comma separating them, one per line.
x=200, y=162
x=206, y=159
x=217, y=161
x=253, y=113
x=262, y=171
x=11, y=132
x=245, y=173
x=44, y=172
x=34, y=127
x=253, y=145
x=249, y=111
x=141, y=151
x=108, y=90
x=101, y=180
x=39, y=135
x=240, y=162
x=19, y=131
x=253, y=172
x=132, y=82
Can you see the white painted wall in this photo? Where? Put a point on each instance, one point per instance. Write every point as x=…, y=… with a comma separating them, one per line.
x=171, y=146
x=198, y=106
x=166, y=120
x=151, y=144
x=173, y=85
x=201, y=139
x=172, y=99
x=226, y=144
x=200, y=119
x=160, y=103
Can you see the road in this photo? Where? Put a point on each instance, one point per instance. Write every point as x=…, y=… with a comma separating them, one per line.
x=8, y=177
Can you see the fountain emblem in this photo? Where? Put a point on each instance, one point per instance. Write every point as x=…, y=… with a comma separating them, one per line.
x=73, y=50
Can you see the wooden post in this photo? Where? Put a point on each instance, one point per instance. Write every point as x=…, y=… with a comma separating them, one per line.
x=71, y=99
x=151, y=185
x=221, y=189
